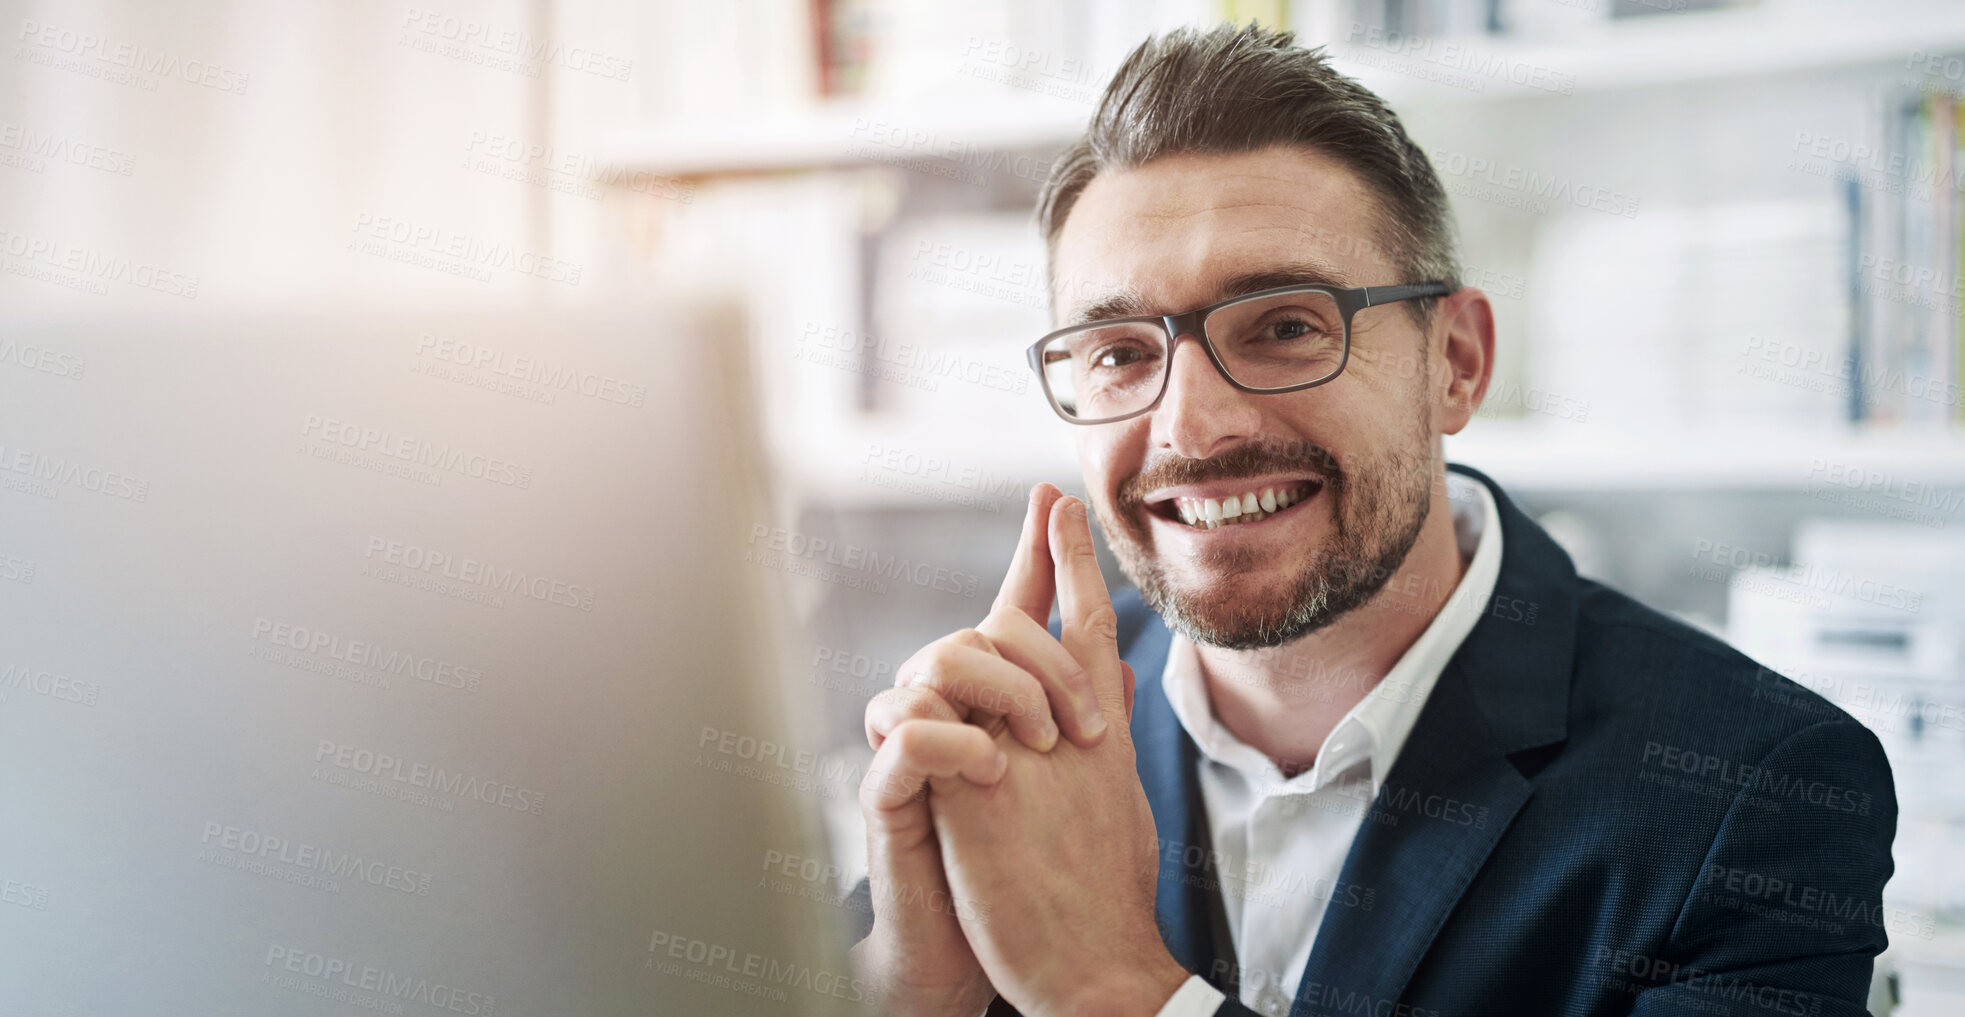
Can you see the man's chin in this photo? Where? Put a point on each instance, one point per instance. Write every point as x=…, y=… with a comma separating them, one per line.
x=1232, y=619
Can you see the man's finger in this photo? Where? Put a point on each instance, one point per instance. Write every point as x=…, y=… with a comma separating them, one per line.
x=989, y=684
x=890, y=708
x=920, y=749
x=1029, y=587
x=1131, y=682
x=1029, y=645
x=1091, y=626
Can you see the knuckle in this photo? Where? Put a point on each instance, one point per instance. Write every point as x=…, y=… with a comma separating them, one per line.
x=1077, y=678
x=910, y=738
x=1102, y=621
x=970, y=637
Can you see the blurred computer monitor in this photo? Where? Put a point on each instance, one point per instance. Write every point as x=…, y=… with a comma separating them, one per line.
x=405, y=663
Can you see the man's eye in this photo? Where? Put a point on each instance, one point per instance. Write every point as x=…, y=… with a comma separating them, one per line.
x=1291, y=329
x=1117, y=356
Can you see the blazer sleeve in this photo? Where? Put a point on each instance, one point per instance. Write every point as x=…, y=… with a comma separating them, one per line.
x=1786, y=913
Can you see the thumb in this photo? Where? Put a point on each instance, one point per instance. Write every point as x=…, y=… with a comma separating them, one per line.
x=1127, y=670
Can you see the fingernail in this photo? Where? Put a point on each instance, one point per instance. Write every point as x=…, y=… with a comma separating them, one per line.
x=1050, y=733
x=1002, y=767
x=1095, y=721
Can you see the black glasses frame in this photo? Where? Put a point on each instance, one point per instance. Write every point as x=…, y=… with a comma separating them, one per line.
x=1192, y=324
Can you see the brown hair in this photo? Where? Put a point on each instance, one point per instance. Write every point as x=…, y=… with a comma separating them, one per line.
x=1229, y=90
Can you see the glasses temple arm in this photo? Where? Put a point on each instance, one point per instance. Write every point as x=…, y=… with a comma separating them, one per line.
x=1376, y=295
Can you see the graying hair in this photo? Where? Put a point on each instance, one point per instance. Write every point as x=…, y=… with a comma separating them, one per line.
x=1230, y=90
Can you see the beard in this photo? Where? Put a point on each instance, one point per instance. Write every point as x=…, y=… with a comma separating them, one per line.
x=1377, y=506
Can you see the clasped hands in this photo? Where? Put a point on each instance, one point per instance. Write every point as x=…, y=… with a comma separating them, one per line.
x=1007, y=856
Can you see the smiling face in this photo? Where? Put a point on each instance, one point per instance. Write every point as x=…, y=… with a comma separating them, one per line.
x=1330, y=485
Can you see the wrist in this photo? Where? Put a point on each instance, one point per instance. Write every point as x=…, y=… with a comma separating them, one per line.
x=892, y=982
x=1137, y=990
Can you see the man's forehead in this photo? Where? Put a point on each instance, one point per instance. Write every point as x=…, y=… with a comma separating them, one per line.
x=1176, y=231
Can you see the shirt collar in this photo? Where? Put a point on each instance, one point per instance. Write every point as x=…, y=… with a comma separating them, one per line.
x=1374, y=729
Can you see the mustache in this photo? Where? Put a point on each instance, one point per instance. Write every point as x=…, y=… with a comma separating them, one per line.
x=1250, y=459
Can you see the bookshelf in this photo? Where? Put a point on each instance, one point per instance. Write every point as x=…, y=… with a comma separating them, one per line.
x=1767, y=39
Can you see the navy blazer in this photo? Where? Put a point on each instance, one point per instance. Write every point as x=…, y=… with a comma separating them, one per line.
x=1600, y=810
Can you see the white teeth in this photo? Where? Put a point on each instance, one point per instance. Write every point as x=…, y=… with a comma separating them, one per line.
x=1212, y=513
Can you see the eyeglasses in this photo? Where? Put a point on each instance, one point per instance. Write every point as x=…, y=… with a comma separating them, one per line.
x=1278, y=340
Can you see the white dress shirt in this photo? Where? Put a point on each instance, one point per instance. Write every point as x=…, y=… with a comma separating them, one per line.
x=1281, y=842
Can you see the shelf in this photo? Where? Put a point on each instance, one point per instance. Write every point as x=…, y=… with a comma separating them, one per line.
x=1581, y=457
x=988, y=469
x=848, y=134
x=1661, y=50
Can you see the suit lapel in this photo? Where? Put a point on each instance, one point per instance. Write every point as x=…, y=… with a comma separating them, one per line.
x=1453, y=790
x=1166, y=761
x=1432, y=826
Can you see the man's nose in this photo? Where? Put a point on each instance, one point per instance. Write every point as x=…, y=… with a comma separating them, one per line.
x=1201, y=414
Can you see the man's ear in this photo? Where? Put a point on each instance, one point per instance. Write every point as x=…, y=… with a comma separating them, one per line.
x=1464, y=322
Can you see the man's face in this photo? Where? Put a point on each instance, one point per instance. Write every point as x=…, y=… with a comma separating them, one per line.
x=1355, y=453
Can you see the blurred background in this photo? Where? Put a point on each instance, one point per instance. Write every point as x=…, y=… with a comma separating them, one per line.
x=1723, y=240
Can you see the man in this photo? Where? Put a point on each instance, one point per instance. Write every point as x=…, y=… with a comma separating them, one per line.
x=1363, y=742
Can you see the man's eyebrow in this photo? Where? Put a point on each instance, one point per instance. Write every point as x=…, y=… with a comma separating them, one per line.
x=1129, y=304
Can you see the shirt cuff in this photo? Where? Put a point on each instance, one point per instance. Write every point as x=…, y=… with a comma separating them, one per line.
x=1194, y=998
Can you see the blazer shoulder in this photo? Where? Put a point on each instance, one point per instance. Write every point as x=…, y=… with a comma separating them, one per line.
x=1635, y=655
